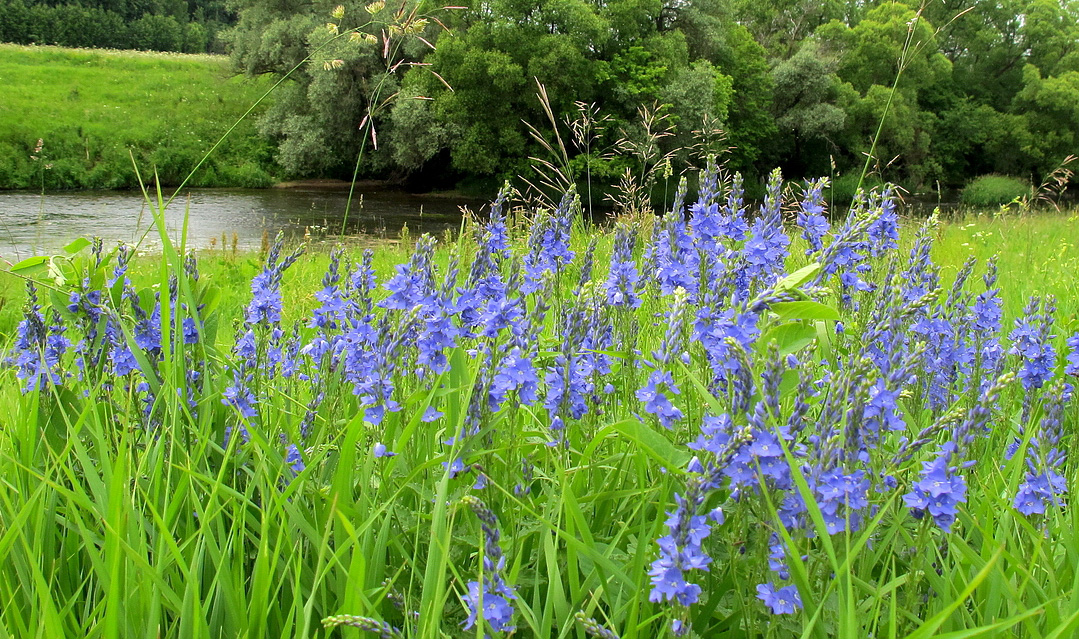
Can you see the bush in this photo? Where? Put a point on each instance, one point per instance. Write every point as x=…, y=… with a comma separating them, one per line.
x=844, y=187
x=247, y=175
x=157, y=33
x=994, y=190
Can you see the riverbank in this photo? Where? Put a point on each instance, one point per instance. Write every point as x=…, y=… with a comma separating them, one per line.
x=84, y=118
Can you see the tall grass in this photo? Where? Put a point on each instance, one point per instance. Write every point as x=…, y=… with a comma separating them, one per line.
x=158, y=502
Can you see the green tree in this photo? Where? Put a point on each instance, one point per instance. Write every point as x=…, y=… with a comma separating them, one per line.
x=340, y=78
x=1050, y=109
x=809, y=120
x=893, y=76
x=782, y=25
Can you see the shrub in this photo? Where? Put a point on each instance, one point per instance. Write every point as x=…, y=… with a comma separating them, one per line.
x=844, y=187
x=994, y=190
x=247, y=175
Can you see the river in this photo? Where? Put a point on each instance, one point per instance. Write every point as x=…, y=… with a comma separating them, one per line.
x=35, y=224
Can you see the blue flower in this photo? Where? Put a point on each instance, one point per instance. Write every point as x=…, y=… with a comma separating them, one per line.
x=1073, y=355
x=456, y=467
x=884, y=231
x=668, y=583
x=380, y=450
x=515, y=373
x=1031, y=339
x=414, y=281
x=495, y=608
x=656, y=401
x=940, y=490
x=811, y=218
x=622, y=280
x=246, y=347
x=497, y=244
x=492, y=599
x=239, y=395
x=1042, y=485
x=680, y=551
x=784, y=601
x=265, y=305
x=332, y=309
x=294, y=459
x=842, y=497
x=1039, y=490
x=38, y=349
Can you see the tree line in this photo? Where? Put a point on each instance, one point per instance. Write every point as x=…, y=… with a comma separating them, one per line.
x=187, y=26
x=928, y=96
x=628, y=92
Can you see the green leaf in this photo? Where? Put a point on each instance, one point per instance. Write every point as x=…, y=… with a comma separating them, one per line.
x=30, y=266
x=76, y=246
x=789, y=337
x=652, y=444
x=56, y=271
x=932, y=624
x=799, y=277
x=970, y=633
x=806, y=310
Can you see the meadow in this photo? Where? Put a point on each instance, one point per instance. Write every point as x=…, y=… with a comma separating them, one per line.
x=747, y=422
x=83, y=118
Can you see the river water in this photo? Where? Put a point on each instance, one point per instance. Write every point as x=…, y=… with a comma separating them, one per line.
x=33, y=224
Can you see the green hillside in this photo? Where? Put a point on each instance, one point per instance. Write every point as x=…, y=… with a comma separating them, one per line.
x=93, y=109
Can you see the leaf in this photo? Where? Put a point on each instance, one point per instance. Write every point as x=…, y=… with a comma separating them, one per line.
x=799, y=277
x=806, y=310
x=56, y=272
x=969, y=633
x=789, y=337
x=30, y=266
x=652, y=444
x=934, y=623
x=76, y=246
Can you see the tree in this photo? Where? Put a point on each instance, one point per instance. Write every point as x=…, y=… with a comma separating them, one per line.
x=340, y=78
x=807, y=116
x=892, y=76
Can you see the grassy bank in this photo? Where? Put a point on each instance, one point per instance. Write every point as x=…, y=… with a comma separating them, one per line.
x=92, y=109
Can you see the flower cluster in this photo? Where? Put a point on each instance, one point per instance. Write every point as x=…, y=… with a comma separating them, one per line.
x=490, y=597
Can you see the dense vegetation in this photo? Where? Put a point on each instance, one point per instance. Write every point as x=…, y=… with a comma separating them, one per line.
x=957, y=89
x=725, y=426
x=188, y=26
x=84, y=119
x=629, y=93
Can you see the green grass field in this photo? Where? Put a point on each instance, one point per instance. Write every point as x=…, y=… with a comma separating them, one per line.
x=94, y=109
x=1037, y=253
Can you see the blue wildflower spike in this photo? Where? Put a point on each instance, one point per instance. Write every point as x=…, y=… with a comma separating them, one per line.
x=491, y=599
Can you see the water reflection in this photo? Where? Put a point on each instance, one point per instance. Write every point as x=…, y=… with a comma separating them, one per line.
x=33, y=224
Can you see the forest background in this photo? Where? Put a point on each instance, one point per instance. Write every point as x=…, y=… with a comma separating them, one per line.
x=450, y=97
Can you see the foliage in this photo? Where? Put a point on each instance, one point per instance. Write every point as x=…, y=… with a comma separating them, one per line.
x=993, y=190
x=158, y=25
x=929, y=95
x=842, y=189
